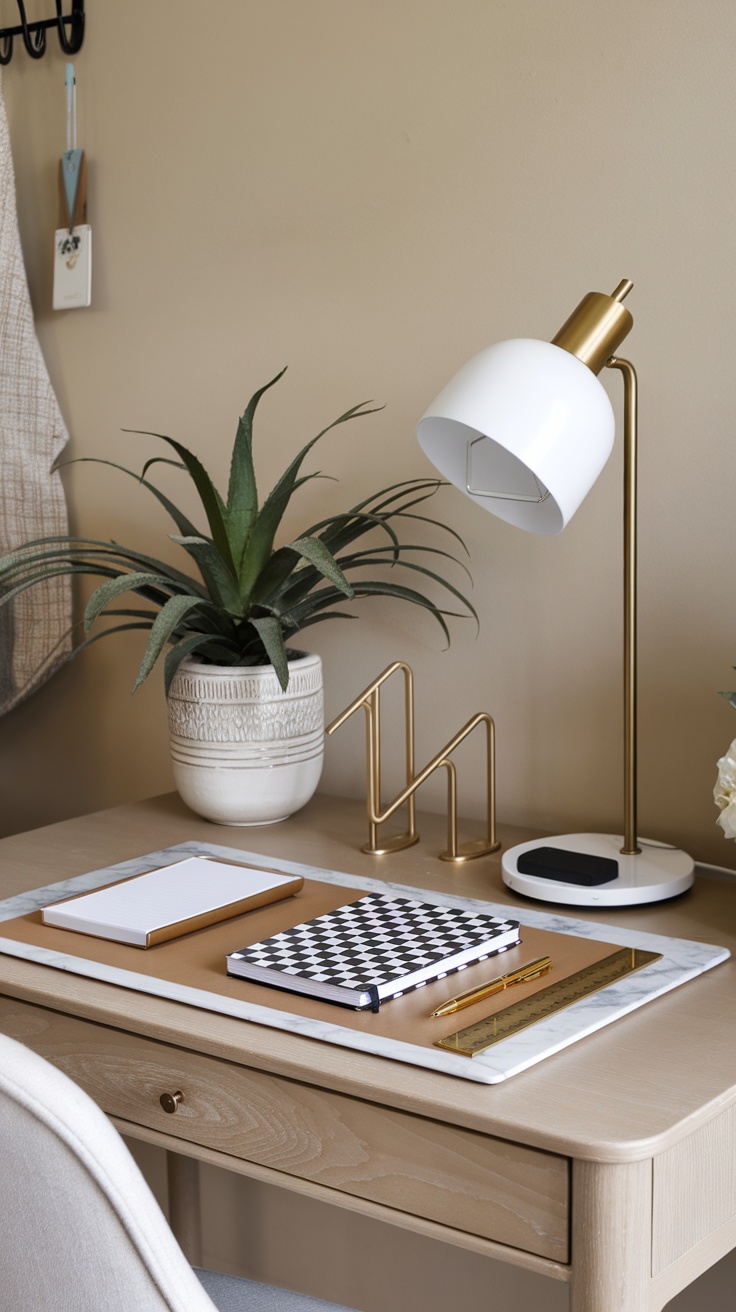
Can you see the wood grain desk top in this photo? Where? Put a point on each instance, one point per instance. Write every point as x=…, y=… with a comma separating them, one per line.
x=632, y=1090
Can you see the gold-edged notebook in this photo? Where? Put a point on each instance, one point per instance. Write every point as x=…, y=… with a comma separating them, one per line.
x=173, y=900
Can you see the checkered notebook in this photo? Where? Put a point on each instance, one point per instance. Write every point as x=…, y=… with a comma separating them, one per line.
x=373, y=949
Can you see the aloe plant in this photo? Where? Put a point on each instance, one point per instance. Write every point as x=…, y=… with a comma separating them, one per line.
x=250, y=597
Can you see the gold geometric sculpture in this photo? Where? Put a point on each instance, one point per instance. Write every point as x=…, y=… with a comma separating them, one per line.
x=369, y=699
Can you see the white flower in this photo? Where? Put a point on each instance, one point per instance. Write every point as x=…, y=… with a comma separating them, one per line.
x=724, y=792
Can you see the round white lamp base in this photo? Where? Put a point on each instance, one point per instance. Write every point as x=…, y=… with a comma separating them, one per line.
x=656, y=873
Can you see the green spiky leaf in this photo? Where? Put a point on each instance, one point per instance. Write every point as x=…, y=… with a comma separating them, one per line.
x=167, y=621
x=212, y=502
x=222, y=586
x=242, y=495
x=113, y=588
x=251, y=595
x=271, y=635
x=269, y=517
x=324, y=562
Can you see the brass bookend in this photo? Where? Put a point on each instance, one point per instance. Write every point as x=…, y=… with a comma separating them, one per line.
x=369, y=699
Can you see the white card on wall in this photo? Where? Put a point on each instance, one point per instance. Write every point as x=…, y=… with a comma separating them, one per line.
x=72, y=267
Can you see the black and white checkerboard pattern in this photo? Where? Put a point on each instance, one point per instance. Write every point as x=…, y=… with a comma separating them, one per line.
x=372, y=942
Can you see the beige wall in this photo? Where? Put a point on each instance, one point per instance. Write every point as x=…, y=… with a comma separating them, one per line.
x=370, y=193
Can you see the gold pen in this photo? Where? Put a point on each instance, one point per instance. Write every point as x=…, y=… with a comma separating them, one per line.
x=482, y=991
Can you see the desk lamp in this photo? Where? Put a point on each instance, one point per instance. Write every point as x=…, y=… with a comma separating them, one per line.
x=524, y=429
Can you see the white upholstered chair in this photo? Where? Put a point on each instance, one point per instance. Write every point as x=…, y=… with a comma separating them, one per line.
x=80, y=1231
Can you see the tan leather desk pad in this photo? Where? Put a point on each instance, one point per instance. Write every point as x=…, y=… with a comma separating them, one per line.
x=197, y=960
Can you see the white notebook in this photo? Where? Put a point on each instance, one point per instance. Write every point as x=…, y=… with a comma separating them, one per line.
x=173, y=900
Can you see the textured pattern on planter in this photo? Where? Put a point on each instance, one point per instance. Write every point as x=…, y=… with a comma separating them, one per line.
x=244, y=752
x=244, y=708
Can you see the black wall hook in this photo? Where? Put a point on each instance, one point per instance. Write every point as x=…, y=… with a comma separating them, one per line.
x=34, y=34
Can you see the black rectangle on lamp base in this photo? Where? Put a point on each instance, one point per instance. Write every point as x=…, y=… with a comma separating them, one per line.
x=567, y=867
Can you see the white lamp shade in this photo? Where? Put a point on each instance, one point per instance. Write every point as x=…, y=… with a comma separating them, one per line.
x=524, y=428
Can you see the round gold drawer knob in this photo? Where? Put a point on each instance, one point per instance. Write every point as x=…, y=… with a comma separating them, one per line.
x=170, y=1101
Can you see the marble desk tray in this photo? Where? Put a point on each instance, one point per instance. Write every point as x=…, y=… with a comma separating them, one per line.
x=681, y=960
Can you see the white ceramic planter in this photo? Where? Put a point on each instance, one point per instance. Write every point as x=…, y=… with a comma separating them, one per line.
x=243, y=751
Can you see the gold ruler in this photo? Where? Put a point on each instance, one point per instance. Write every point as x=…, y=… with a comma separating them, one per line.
x=546, y=1002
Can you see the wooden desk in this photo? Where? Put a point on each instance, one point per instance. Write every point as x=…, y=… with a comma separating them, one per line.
x=609, y=1165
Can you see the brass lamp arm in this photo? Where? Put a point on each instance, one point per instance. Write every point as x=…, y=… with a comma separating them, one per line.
x=630, y=847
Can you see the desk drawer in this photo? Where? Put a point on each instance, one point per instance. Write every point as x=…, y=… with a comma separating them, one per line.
x=460, y=1178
